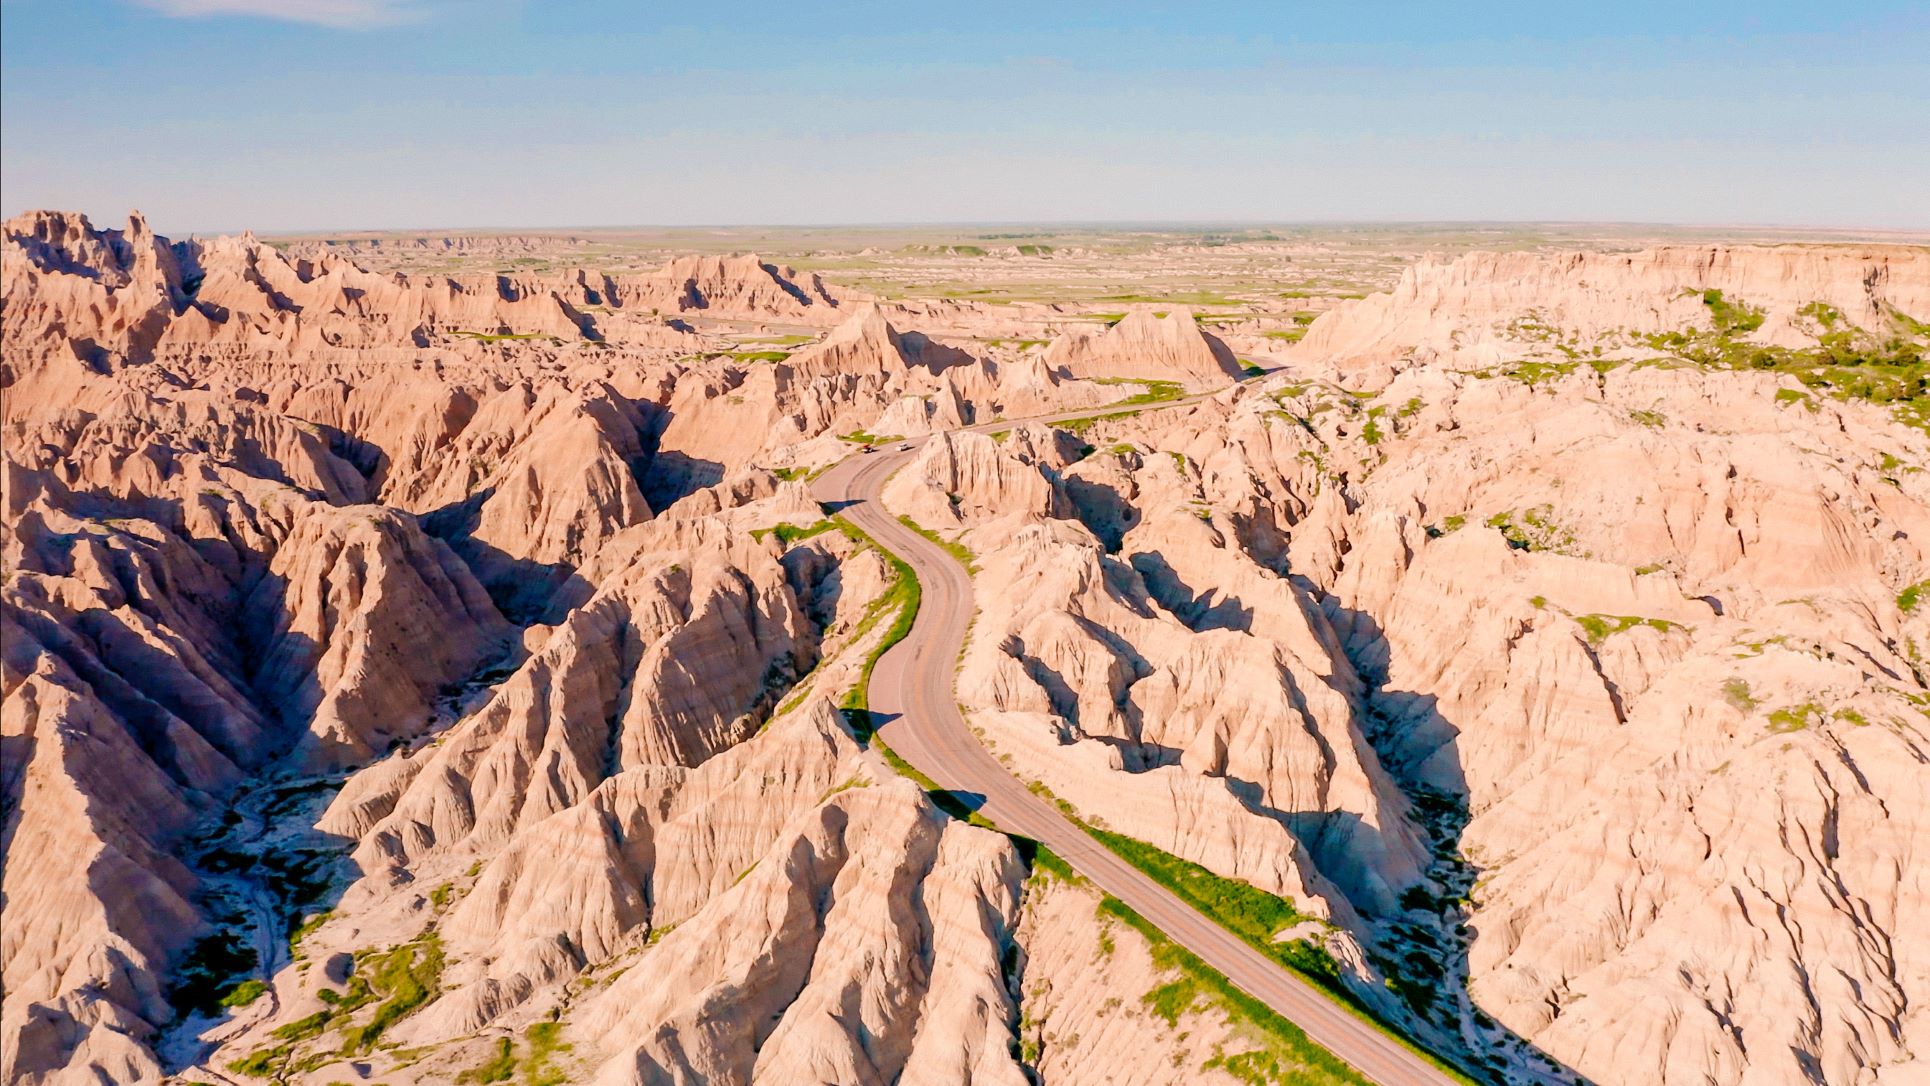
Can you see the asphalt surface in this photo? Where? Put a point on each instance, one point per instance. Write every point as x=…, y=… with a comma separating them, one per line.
x=912, y=691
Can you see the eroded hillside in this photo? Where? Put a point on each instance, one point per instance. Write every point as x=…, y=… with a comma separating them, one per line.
x=410, y=677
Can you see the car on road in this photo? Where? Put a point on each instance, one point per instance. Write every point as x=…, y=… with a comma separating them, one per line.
x=906, y=447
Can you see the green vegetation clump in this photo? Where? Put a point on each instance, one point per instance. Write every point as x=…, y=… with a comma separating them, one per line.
x=545, y=1041
x=1652, y=419
x=1600, y=628
x=859, y=437
x=1908, y=599
x=760, y=356
x=1153, y=391
x=1196, y=297
x=201, y=981
x=1847, y=363
x=406, y=978
x=1087, y=422
x=261, y=1063
x=1731, y=318
x=498, y=1068
x=1371, y=432
x=1737, y=693
x=1794, y=718
x=494, y=337
x=303, y=927
x=788, y=533
x=245, y=993
x=1535, y=531
x=1049, y=864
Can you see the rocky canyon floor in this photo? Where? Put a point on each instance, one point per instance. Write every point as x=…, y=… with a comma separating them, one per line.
x=437, y=658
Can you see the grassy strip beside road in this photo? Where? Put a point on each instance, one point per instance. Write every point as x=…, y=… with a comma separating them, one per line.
x=1249, y=913
x=960, y=552
x=1254, y=916
x=1286, y=1054
x=904, y=595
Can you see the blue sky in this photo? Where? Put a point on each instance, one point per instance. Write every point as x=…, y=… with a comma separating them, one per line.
x=334, y=114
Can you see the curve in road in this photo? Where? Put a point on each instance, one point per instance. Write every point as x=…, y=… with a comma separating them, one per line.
x=912, y=689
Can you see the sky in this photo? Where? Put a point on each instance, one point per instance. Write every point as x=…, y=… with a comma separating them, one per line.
x=284, y=115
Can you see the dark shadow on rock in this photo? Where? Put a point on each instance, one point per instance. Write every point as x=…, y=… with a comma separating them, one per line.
x=1101, y=508
x=1204, y=609
x=1425, y=954
x=522, y=589
x=671, y=476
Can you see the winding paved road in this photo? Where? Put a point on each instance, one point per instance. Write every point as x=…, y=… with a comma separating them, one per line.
x=913, y=687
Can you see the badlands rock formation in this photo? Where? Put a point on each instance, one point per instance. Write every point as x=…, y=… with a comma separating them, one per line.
x=1487, y=305
x=1639, y=642
x=1162, y=346
x=410, y=677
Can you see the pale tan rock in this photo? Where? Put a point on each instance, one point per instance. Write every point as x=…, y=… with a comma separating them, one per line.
x=1172, y=347
x=1483, y=306
x=868, y=920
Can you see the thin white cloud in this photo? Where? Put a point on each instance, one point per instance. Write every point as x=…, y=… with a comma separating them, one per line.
x=337, y=14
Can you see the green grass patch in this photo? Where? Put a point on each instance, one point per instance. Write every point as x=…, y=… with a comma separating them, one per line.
x=1731, y=318
x=1600, y=628
x=495, y=337
x=1535, y=530
x=1154, y=391
x=202, y=980
x=406, y=979
x=1794, y=718
x=545, y=1042
x=1197, y=297
x=304, y=927
x=788, y=533
x=1737, y=693
x=1908, y=599
x=1847, y=363
x=1284, y=1047
x=859, y=437
x=1086, y=422
x=241, y=995
x=760, y=356
x=1245, y=910
x=960, y=552
x=1253, y=915
x=262, y=1062
x=500, y=1067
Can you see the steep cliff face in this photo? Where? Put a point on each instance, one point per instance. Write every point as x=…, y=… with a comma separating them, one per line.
x=142, y=679
x=1486, y=307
